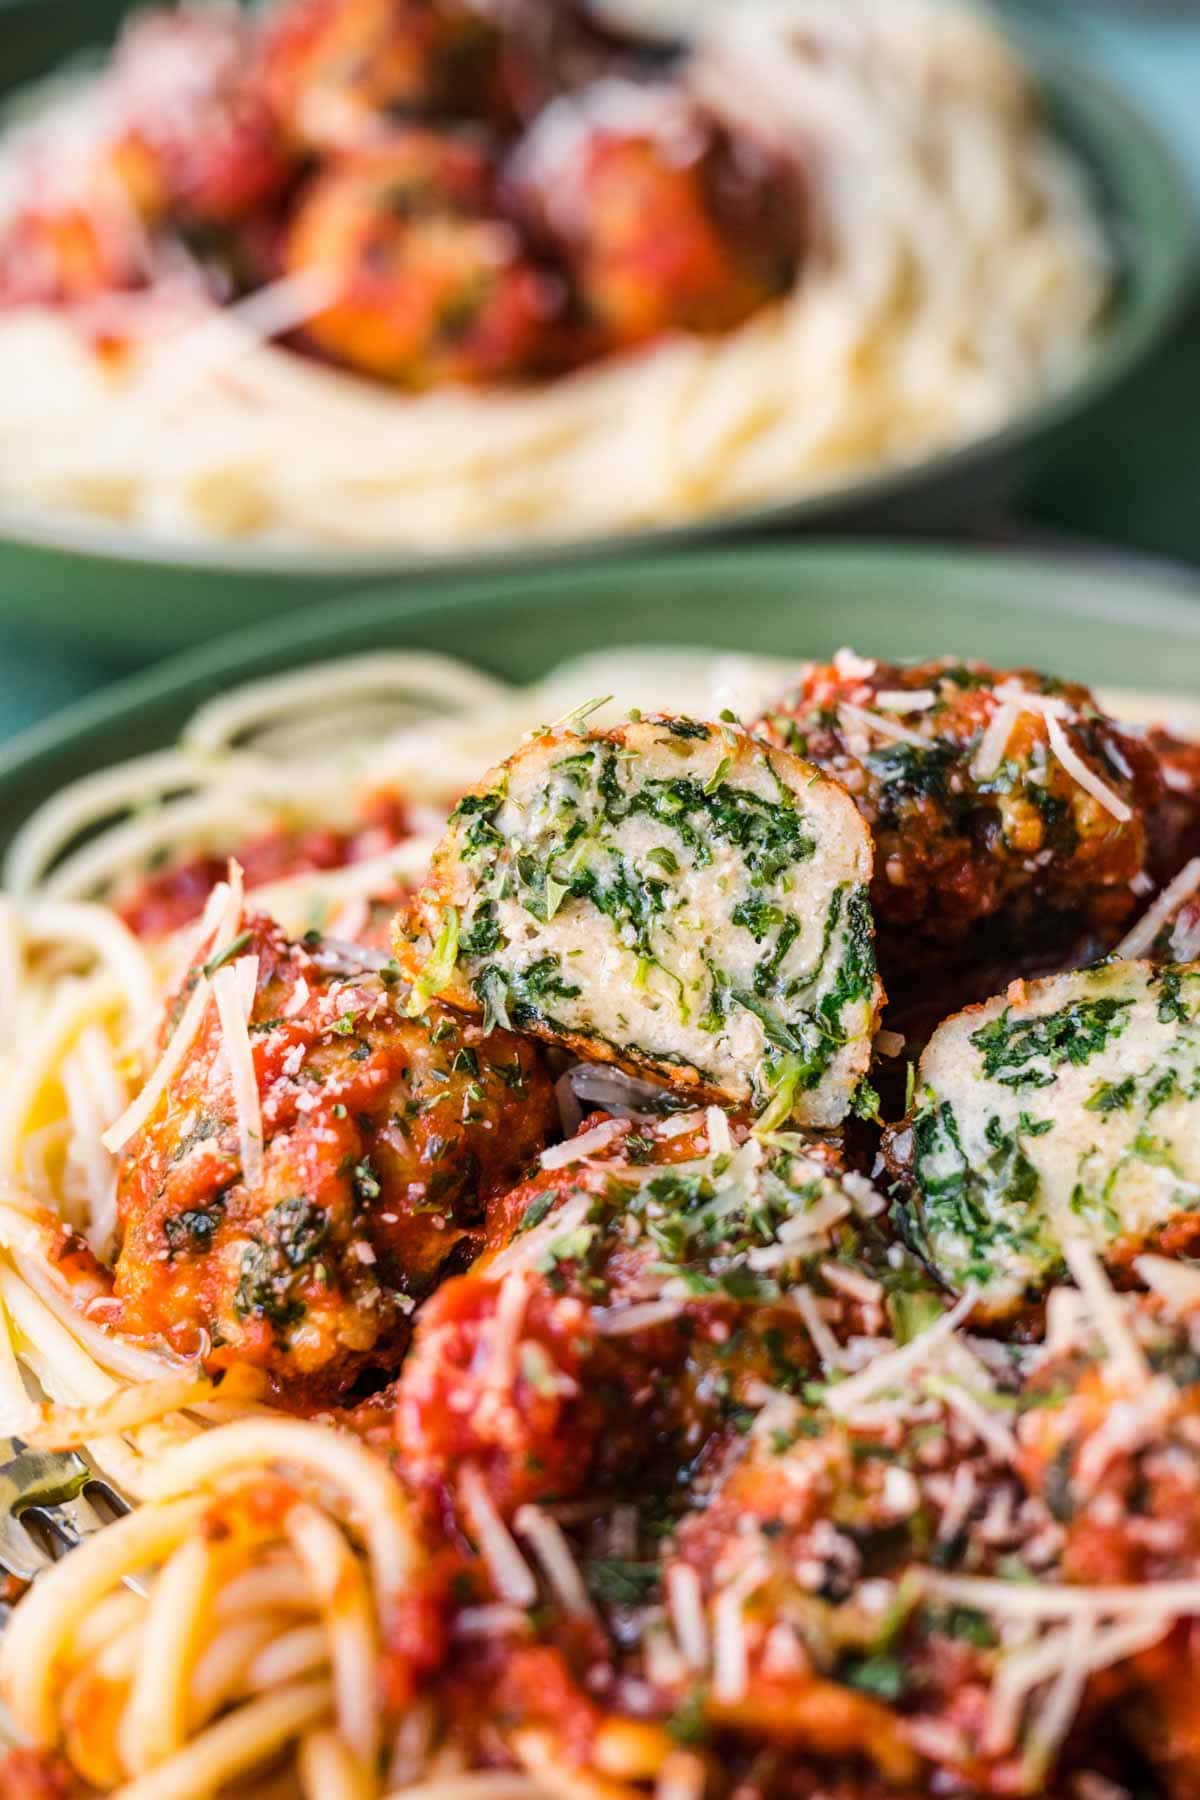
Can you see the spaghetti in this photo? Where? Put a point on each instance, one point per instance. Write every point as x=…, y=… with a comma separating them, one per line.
x=955, y=272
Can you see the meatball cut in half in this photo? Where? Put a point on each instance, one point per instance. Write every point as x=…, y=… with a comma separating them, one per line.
x=1065, y=1110
x=992, y=797
x=381, y=1138
x=669, y=896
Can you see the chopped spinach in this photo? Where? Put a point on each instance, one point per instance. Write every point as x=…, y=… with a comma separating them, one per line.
x=1072, y=1035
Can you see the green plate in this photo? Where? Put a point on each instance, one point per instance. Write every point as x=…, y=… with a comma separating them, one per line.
x=1123, y=624
x=121, y=592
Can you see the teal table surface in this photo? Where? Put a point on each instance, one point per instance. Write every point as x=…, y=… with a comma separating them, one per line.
x=1136, y=483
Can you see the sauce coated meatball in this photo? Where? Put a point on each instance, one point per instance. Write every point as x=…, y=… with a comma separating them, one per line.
x=342, y=73
x=428, y=283
x=1117, y=1462
x=629, y=1306
x=383, y=1137
x=191, y=142
x=977, y=819
x=663, y=224
x=197, y=137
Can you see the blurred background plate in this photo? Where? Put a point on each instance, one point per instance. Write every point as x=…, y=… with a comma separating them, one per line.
x=126, y=595
x=1113, y=624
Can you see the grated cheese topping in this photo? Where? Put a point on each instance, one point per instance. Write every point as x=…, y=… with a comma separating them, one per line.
x=233, y=990
x=222, y=919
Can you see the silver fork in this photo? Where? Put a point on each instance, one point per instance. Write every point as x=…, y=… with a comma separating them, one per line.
x=54, y=1491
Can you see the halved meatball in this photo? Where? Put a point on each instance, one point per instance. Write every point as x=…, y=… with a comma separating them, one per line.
x=383, y=1136
x=1068, y=1106
x=994, y=798
x=670, y=896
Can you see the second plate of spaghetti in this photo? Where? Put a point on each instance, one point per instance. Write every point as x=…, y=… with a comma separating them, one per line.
x=342, y=287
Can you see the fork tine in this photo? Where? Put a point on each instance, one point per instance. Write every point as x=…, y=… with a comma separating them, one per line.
x=35, y=1482
x=69, y=1522
x=40, y=1477
x=20, y=1553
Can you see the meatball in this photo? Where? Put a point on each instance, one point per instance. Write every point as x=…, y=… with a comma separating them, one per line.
x=1120, y=1472
x=64, y=251
x=669, y=896
x=341, y=73
x=428, y=285
x=1064, y=1106
x=197, y=138
x=629, y=1306
x=383, y=1136
x=805, y=1546
x=1176, y=831
x=970, y=781
x=662, y=223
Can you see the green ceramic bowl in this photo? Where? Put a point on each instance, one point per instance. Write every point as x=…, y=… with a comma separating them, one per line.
x=1115, y=623
x=122, y=593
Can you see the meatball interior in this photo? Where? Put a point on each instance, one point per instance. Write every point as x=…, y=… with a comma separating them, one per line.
x=1065, y=1107
x=670, y=896
x=383, y=1138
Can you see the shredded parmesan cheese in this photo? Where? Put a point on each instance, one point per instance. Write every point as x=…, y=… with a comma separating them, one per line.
x=578, y=1149
x=233, y=991
x=720, y=1140
x=226, y=903
x=850, y=1281
x=1051, y=1600
x=619, y=1321
x=994, y=741
x=730, y=1660
x=1062, y=1703
x=1127, y=1359
x=511, y=1575
x=1087, y=778
x=891, y=1369
x=1015, y=700
x=823, y=1340
x=1172, y=1281
x=884, y=728
x=528, y=1247
x=1136, y=942
x=905, y=700
x=686, y=1604
x=547, y=1540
